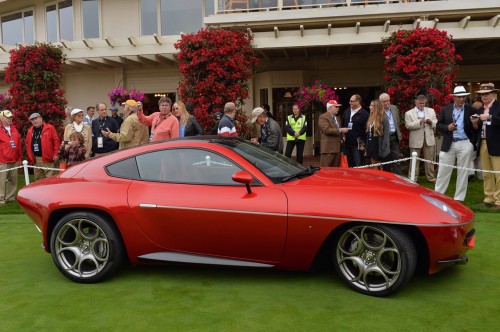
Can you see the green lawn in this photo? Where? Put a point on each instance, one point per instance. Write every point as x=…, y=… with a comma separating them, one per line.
x=36, y=297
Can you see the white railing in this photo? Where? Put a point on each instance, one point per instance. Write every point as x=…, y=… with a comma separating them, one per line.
x=238, y=6
x=413, y=159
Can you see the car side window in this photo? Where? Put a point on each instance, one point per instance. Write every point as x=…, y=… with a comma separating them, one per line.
x=193, y=166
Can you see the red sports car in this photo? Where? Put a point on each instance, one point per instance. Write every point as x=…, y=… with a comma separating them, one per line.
x=225, y=201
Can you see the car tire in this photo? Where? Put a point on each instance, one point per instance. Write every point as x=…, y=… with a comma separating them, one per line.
x=86, y=247
x=375, y=260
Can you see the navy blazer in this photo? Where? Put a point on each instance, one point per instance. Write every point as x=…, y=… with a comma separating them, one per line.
x=358, y=126
x=446, y=117
x=493, y=130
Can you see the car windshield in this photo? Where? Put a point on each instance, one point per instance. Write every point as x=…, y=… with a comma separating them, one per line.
x=275, y=166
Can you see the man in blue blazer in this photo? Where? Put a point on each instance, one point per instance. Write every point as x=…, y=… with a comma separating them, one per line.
x=489, y=150
x=459, y=125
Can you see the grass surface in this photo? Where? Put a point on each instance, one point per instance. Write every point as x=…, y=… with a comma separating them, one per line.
x=36, y=297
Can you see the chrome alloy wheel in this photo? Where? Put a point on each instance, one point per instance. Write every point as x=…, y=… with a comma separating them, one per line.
x=81, y=248
x=371, y=261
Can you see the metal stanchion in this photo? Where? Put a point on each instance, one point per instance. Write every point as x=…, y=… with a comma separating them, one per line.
x=413, y=165
x=26, y=173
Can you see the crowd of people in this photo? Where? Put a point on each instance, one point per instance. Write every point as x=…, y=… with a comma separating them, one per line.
x=358, y=134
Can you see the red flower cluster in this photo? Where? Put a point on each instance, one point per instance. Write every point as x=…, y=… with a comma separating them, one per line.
x=216, y=65
x=421, y=61
x=35, y=76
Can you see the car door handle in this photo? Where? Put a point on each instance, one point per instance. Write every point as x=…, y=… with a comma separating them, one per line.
x=151, y=206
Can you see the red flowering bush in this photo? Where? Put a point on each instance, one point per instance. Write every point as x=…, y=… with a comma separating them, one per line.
x=421, y=61
x=315, y=97
x=34, y=73
x=216, y=65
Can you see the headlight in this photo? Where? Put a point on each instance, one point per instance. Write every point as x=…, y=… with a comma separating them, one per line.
x=442, y=206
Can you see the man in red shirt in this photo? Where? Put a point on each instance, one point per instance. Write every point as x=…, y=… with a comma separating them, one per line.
x=163, y=124
x=10, y=157
x=42, y=144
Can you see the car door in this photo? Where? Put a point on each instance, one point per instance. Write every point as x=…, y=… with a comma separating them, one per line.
x=187, y=202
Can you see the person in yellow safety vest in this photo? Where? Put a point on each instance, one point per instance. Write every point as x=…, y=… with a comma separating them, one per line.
x=296, y=127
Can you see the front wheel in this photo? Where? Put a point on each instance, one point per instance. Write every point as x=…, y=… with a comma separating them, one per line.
x=85, y=247
x=374, y=259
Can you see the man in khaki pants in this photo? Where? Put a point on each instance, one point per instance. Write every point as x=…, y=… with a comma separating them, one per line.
x=490, y=144
x=10, y=157
x=42, y=144
x=421, y=122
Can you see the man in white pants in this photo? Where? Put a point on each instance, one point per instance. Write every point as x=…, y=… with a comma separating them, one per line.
x=458, y=122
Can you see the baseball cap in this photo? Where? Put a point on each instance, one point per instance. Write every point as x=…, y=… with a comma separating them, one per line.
x=114, y=108
x=76, y=111
x=34, y=116
x=256, y=112
x=130, y=102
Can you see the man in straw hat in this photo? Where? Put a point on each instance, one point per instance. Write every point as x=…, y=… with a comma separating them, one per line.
x=489, y=149
x=458, y=123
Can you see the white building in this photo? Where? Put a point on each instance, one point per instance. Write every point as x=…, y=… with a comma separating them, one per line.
x=130, y=42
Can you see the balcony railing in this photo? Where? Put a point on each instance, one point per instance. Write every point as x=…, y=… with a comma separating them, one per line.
x=236, y=6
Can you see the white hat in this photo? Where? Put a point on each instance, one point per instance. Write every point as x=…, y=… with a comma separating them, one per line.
x=256, y=112
x=332, y=103
x=460, y=91
x=76, y=111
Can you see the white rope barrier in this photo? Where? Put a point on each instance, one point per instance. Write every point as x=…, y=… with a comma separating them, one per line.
x=414, y=158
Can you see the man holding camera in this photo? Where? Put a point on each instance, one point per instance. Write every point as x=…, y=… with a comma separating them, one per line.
x=100, y=143
x=421, y=122
x=458, y=123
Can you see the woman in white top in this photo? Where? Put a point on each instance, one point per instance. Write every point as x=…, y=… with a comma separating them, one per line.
x=78, y=126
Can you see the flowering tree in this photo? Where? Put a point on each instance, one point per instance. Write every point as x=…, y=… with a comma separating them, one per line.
x=34, y=73
x=120, y=95
x=315, y=97
x=421, y=61
x=216, y=65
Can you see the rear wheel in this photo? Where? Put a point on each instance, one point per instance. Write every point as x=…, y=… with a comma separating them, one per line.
x=85, y=247
x=374, y=259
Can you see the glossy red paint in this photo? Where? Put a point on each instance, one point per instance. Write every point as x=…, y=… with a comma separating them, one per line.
x=283, y=225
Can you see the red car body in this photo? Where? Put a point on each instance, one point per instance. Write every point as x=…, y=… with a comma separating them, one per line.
x=282, y=225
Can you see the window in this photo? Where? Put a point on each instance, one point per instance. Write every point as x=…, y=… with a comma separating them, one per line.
x=18, y=28
x=90, y=10
x=149, y=17
x=189, y=166
x=59, y=21
x=171, y=17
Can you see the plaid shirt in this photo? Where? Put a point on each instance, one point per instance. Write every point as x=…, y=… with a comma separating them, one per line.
x=73, y=155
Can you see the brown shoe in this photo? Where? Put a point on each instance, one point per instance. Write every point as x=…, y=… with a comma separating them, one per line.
x=483, y=204
x=432, y=180
x=495, y=207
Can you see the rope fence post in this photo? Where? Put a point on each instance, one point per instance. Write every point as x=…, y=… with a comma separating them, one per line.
x=26, y=173
x=413, y=165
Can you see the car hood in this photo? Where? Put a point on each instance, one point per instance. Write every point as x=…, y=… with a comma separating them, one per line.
x=363, y=194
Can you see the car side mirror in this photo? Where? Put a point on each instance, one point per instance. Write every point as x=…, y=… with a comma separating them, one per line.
x=243, y=177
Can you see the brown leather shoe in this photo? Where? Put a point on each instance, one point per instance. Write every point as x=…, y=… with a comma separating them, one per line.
x=432, y=180
x=495, y=207
x=483, y=204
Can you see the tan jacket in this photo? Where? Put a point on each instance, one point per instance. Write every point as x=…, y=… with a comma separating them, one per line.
x=330, y=133
x=417, y=133
x=132, y=133
x=87, y=136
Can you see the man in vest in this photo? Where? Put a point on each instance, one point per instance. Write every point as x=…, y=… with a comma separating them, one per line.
x=296, y=127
